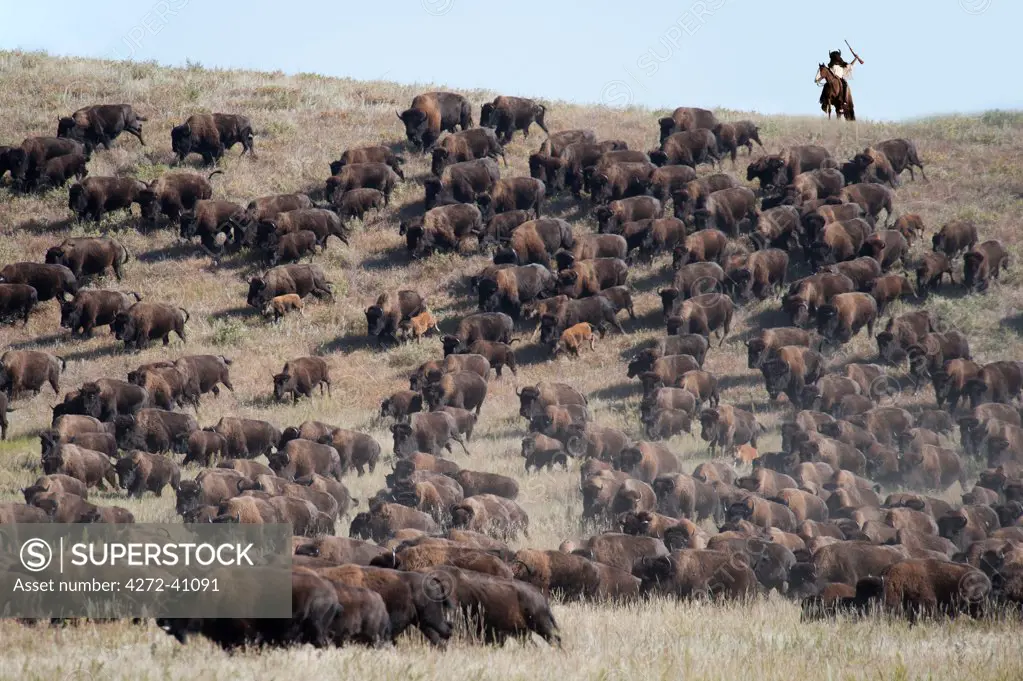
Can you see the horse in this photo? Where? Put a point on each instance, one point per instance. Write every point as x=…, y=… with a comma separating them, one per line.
x=831, y=95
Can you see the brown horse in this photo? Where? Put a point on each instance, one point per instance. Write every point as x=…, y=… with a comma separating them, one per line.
x=831, y=95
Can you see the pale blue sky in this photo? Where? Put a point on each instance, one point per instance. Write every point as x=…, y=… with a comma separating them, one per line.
x=922, y=56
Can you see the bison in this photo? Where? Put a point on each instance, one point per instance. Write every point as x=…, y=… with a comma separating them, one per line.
x=686, y=118
x=101, y=124
x=508, y=114
x=210, y=135
x=95, y=196
x=174, y=193
x=434, y=112
x=299, y=378
x=24, y=370
x=49, y=281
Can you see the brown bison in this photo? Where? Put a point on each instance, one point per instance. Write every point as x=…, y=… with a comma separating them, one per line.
x=887, y=247
x=59, y=170
x=666, y=181
x=299, y=378
x=782, y=169
x=707, y=313
x=173, y=194
x=844, y=316
x=153, y=430
x=94, y=308
x=401, y=405
x=508, y=114
x=984, y=263
x=432, y=113
x=927, y=588
x=997, y=382
x=931, y=269
x=300, y=279
x=247, y=227
x=621, y=181
x=442, y=228
x=49, y=281
x=426, y=432
x=210, y=135
x=863, y=271
x=461, y=182
x=248, y=438
x=516, y=193
x=613, y=216
x=208, y=220
x=694, y=193
x=789, y=369
x=88, y=256
x=696, y=573
x=902, y=154
x=728, y=427
x=765, y=271
x=302, y=458
x=467, y=145
x=370, y=154
x=141, y=472
x=379, y=176
x=90, y=467
x=462, y=389
x=871, y=197
x=28, y=162
x=384, y=317
x=101, y=124
x=731, y=136
x=491, y=515
x=759, y=348
x=29, y=370
x=688, y=148
x=573, y=577
x=891, y=287
x=144, y=322
x=555, y=143
x=18, y=300
x=646, y=461
x=590, y=277
x=686, y=118
x=201, y=446
x=707, y=245
x=726, y=209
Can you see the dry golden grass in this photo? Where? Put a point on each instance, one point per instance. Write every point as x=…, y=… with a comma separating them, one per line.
x=305, y=121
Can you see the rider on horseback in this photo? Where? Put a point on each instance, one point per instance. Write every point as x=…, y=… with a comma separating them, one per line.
x=842, y=69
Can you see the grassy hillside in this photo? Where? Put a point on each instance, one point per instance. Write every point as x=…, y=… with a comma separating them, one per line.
x=304, y=122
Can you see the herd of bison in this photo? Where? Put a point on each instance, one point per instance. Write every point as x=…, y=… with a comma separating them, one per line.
x=809, y=521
